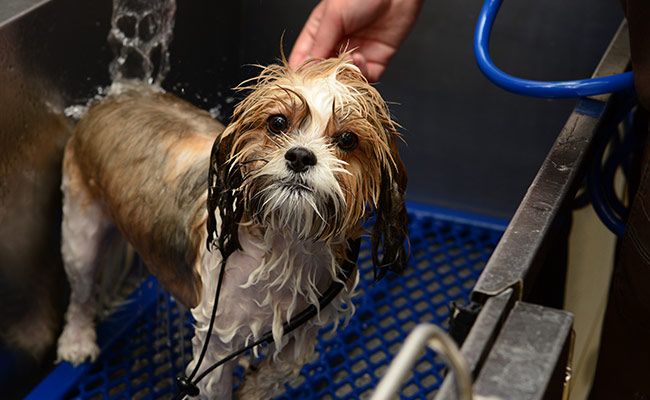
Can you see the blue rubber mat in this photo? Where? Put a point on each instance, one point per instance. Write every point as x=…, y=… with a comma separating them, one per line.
x=142, y=350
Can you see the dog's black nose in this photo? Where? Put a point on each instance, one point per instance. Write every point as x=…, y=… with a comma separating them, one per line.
x=299, y=159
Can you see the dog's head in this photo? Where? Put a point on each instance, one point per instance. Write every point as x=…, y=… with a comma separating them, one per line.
x=312, y=152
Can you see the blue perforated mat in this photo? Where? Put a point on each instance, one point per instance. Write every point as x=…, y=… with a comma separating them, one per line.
x=142, y=350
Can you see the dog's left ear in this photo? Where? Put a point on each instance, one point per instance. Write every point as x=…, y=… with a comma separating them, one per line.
x=224, y=193
x=390, y=231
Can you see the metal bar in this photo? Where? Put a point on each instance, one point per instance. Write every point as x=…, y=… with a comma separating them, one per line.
x=528, y=359
x=481, y=338
x=423, y=336
x=522, y=246
x=616, y=58
x=517, y=256
x=14, y=9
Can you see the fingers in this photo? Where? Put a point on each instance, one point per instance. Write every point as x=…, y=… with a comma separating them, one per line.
x=360, y=61
x=302, y=48
x=371, y=57
x=329, y=34
x=374, y=71
x=374, y=29
x=321, y=34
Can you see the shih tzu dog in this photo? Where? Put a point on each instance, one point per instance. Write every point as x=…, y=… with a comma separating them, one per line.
x=309, y=155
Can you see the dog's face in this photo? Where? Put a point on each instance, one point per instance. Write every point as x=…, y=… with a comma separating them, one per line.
x=310, y=152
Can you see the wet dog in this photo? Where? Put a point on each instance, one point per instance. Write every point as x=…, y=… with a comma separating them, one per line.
x=308, y=156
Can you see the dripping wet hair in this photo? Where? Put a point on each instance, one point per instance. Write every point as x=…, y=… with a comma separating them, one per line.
x=224, y=193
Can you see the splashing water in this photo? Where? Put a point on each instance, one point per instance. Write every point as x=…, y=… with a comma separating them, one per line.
x=141, y=31
x=77, y=111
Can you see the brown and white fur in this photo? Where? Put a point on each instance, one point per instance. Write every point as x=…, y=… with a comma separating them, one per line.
x=141, y=159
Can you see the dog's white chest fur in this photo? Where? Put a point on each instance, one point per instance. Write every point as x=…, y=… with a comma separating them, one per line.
x=266, y=283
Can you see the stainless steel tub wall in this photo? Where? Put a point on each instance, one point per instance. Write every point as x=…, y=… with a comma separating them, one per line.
x=54, y=54
x=32, y=134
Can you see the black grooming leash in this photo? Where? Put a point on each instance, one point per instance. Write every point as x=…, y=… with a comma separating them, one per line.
x=187, y=386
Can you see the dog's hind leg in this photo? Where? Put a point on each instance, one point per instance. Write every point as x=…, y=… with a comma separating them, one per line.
x=83, y=228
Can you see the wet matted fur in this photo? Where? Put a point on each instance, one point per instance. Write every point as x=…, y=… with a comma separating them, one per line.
x=149, y=163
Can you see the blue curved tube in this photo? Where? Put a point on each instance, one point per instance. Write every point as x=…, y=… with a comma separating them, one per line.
x=550, y=89
x=600, y=204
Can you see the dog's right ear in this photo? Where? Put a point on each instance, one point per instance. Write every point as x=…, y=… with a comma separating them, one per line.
x=224, y=193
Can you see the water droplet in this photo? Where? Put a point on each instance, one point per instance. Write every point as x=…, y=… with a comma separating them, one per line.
x=215, y=111
x=144, y=30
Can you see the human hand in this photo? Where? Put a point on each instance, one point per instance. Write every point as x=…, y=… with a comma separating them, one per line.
x=373, y=28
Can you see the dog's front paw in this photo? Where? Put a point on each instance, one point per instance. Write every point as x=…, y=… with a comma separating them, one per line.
x=77, y=345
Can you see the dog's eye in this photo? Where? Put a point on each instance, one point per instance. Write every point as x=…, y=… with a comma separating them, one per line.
x=277, y=124
x=347, y=141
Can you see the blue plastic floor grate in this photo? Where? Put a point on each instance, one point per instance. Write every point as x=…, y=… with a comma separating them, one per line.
x=142, y=350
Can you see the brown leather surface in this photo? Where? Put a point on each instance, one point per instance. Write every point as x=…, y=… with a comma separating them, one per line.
x=638, y=17
x=623, y=370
